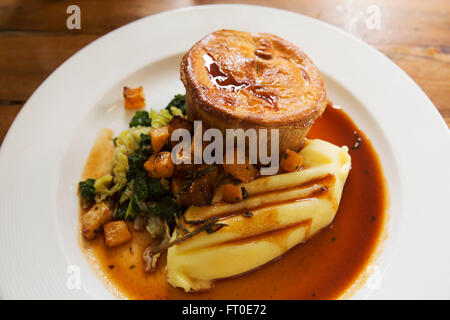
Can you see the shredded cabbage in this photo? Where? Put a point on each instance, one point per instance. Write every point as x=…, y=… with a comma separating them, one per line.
x=126, y=194
x=119, y=169
x=129, y=139
x=102, y=186
x=176, y=112
x=160, y=118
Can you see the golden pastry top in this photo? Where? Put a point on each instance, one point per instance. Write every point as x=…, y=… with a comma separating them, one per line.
x=256, y=77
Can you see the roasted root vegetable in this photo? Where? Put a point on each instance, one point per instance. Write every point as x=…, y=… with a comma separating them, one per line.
x=159, y=137
x=178, y=122
x=160, y=165
x=185, y=164
x=180, y=190
x=94, y=219
x=134, y=98
x=243, y=172
x=232, y=193
x=116, y=233
x=201, y=191
x=291, y=161
x=200, y=183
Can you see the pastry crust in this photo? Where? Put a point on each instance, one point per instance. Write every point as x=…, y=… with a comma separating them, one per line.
x=236, y=79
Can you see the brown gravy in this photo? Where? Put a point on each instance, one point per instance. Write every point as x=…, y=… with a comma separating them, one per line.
x=322, y=268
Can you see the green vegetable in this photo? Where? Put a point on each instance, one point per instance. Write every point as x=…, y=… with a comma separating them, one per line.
x=165, y=207
x=156, y=188
x=87, y=189
x=133, y=209
x=141, y=186
x=102, y=186
x=136, y=163
x=146, y=141
x=119, y=169
x=160, y=118
x=130, y=139
x=139, y=192
x=122, y=210
x=141, y=118
x=179, y=102
x=145, y=188
x=110, y=184
x=177, y=112
x=127, y=192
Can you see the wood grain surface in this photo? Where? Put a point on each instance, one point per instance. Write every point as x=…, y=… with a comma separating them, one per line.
x=34, y=39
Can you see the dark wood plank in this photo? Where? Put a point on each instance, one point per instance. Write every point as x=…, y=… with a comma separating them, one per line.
x=7, y=114
x=407, y=22
x=430, y=68
x=26, y=59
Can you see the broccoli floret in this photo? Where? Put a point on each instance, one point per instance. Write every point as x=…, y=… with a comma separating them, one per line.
x=146, y=188
x=146, y=141
x=87, y=189
x=156, y=188
x=138, y=190
x=178, y=101
x=141, y=187
x=136, y=163
x=165, y=207
x=141, y=118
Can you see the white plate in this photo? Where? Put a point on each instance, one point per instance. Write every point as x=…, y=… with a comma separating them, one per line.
x=43, y=154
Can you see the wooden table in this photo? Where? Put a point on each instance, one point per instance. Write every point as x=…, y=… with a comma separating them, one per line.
x=34, y=38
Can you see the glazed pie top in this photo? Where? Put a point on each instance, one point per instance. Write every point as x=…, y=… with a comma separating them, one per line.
x=258, y=78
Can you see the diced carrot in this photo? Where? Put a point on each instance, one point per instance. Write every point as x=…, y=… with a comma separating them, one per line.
x=179, y=191
x=185, y=162
x=160, y=165
x=134, y=98
x=178, y=122
x=243, y=172
x=232, y=193
x=201, y=191
x=159, y=137
x=116, y=233
x=291, y=161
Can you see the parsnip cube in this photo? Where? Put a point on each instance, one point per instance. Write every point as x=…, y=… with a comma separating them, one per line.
x=93, y=220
